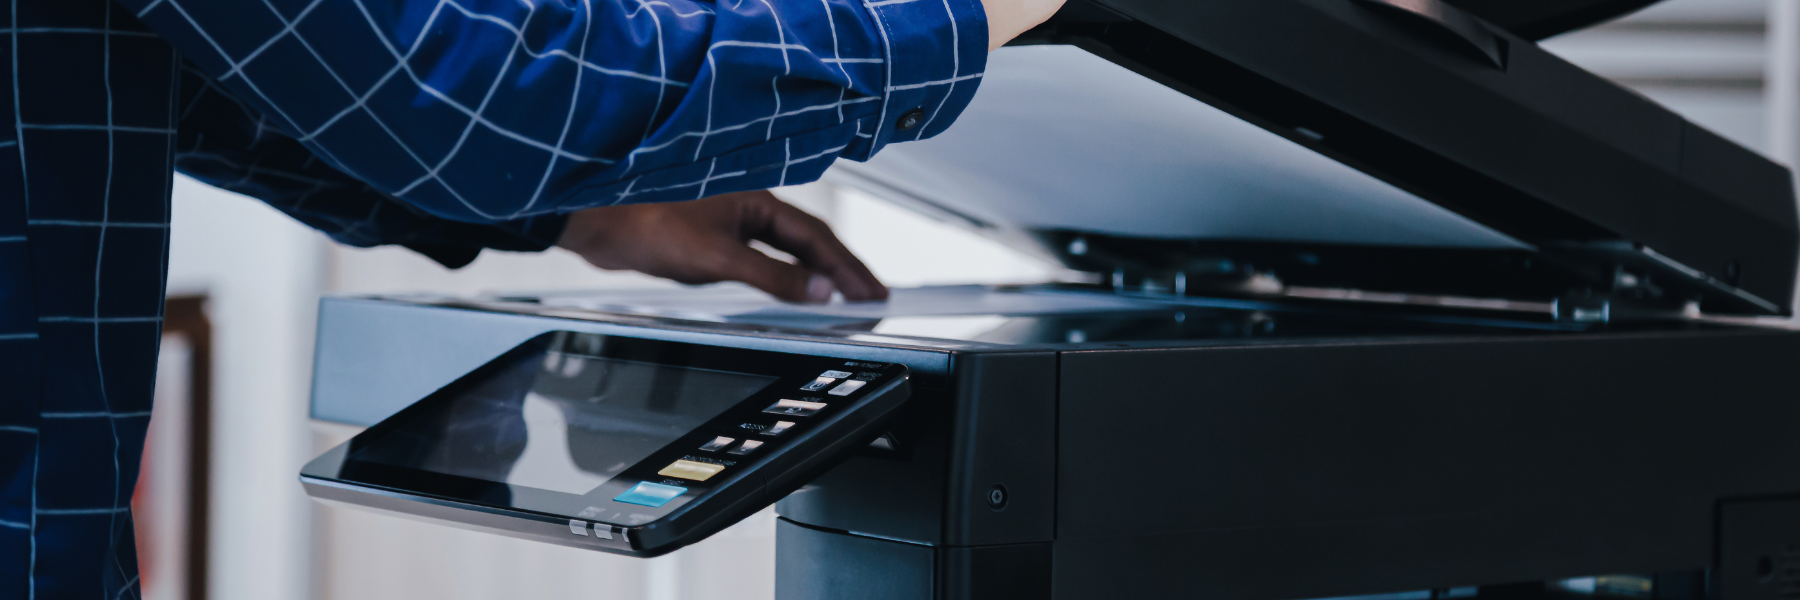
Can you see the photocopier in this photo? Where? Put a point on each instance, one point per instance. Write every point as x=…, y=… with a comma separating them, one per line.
x=1380, y=297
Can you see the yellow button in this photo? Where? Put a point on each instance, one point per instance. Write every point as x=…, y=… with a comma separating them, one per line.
x=687, y=469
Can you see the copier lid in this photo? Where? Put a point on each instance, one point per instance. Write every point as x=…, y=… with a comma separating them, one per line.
x=1392, y=145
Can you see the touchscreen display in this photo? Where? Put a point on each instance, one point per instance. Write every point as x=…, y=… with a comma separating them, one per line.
x=561, y=422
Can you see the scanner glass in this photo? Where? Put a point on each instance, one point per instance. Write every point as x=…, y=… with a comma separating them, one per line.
x=561, y=422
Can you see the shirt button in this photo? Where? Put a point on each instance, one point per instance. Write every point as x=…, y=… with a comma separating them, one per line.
x=911, y=119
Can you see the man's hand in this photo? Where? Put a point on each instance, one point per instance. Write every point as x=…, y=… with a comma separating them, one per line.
x=1009, y=18
x=706, y=241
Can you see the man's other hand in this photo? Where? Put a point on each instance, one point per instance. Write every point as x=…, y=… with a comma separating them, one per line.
x=706, y=241
x=1009, y=18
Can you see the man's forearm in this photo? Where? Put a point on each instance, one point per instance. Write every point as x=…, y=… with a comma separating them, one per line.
x=1009, y=18
x=492, y=110
x=225, y=143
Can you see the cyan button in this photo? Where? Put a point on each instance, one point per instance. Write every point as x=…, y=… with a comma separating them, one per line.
x=652, y=495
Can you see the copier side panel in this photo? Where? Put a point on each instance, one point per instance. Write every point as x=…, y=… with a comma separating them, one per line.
x=895, y=495
x=1346, y=468
x=992, y=432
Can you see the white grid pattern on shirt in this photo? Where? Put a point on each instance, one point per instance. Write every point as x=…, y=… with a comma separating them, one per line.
x=557, y=150
x=887, y=49
x=955, y=68
x=431, y=173
x=120, y=497
x=574, y=101
x=112, y=527
x=18, y=123
x=267, y=145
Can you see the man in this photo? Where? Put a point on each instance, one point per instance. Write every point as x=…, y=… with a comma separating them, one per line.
x=446, y=126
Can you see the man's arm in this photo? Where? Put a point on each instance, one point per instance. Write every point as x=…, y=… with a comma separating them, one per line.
x=225, y=143
x=497, y=110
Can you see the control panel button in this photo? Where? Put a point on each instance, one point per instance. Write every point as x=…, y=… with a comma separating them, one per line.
x=780, y=427
x=847, y=387
x=835, y=374
x=653, y=495
x=748, y=447
x=717, y=444
x=817, y=384
x=798, y=408
x=694, y=470
x=603, y=531
x=577, y=527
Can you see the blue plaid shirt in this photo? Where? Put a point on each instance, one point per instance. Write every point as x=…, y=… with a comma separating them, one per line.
x=447, y=126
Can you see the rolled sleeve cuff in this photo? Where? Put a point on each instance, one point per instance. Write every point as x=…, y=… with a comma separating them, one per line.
x=460, y=243
x=541, y=232
x=936, y=52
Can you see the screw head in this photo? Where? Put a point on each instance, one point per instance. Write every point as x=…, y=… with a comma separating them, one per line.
x=996, y=497
x=910, y=119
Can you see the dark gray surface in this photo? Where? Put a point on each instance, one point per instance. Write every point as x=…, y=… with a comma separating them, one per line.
x=818, y=565
x=1003, y=433
x=1269, y=469
x=1014, y=572
x=1541, y=151
x=996, y=427
x=1335, y=469
x=1759, y=549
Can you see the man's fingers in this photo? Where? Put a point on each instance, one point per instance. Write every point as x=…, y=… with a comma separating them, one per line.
x=782, y=280
x=795, y=232
x=706, y=241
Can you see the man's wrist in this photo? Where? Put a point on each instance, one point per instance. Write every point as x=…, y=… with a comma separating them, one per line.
x=1008, y=18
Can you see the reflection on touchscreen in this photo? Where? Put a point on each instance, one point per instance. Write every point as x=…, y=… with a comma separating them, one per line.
x=562, y=422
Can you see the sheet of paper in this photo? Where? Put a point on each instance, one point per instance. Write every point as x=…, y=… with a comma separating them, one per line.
x=1057, y=138
x=738, y=303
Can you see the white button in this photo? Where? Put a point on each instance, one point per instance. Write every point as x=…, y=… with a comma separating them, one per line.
x=835, y=374
x=845, y=388
x=780, y=427
x=577, y=527
x=748, y=447
x=798, y=408
x=817, y=384
x=717, y=444
x=603, y=531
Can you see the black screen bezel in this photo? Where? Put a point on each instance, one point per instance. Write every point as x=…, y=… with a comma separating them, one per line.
x=742, y=477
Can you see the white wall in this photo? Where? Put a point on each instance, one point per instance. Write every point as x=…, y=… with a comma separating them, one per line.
x=262, y=271
x=1704, y=59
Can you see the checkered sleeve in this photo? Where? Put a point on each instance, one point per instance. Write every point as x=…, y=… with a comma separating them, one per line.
x=224, y=142
x=496, y=110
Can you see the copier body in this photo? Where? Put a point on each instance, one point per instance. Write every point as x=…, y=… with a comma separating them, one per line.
x=1216, y=454
x=1260, y=413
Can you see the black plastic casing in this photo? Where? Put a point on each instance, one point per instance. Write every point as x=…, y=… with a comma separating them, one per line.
x=1233, y=468
x=1477, y=119
x=1315, y=469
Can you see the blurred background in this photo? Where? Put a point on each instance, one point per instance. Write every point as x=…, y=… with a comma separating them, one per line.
x=223, y=516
